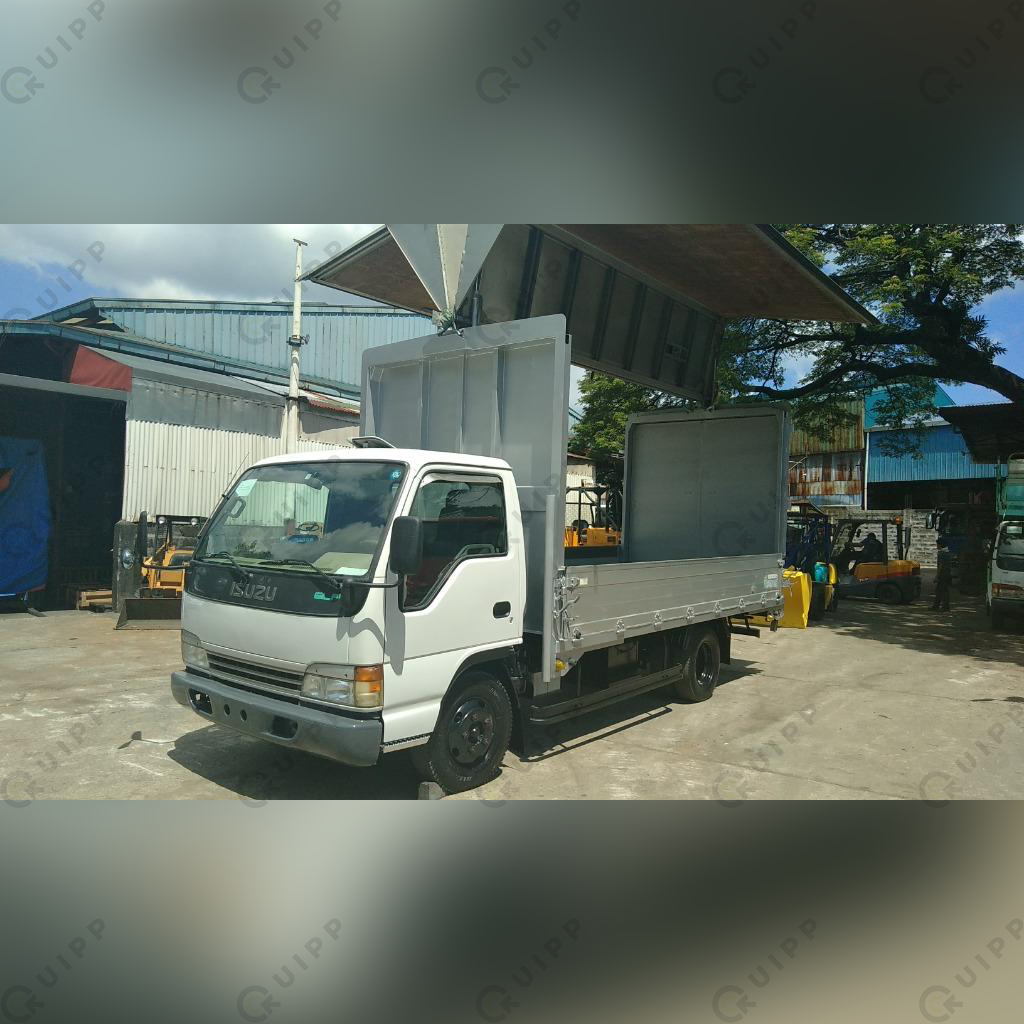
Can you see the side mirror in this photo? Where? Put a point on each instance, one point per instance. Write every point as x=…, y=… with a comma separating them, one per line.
x=406, y=545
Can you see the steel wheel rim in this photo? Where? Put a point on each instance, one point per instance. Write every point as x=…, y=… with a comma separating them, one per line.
x=471, y=732
x=705, y=666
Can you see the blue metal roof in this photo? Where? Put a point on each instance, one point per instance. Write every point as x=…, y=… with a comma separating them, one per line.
x=250, y=335
x=943, y=456
x=939, y=399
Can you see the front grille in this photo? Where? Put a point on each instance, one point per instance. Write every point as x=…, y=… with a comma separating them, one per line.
x=233, y=670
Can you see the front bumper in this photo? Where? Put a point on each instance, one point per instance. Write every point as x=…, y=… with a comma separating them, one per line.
x=347, y=739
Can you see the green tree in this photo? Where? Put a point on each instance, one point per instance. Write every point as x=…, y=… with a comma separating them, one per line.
x=607, y=405
x=923, y=282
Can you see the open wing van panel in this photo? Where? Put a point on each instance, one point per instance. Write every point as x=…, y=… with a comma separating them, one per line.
x=704, y=530
x=501, y=390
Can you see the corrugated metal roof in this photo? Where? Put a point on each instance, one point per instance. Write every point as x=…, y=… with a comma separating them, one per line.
x=254, y=334
x=164, y=365
x=943, y=456
x=940, y=399
x=993, y=432
x=189, y=376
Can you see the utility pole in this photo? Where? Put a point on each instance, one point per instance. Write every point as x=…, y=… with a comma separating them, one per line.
x=295, y=343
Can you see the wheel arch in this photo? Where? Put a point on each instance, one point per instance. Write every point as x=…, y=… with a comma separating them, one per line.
x=501, y=662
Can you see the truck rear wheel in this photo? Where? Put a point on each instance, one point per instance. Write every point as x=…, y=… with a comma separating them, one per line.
x=703, y=659
x=471, y=737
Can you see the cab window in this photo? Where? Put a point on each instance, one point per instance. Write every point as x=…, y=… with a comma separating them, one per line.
x=463, y=517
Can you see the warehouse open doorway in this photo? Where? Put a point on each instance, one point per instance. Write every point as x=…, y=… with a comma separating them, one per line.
x=82, y=441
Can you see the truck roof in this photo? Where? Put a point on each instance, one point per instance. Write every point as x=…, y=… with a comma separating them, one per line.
x=415, y=457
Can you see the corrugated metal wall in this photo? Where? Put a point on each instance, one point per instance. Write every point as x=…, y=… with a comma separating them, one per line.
x=846, y=438
x=828, y=479
x=183, y=470
x=255, y=333
x=943, y=456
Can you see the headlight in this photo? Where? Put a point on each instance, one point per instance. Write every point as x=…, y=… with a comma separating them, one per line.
x=192, y=652
x=355, y=686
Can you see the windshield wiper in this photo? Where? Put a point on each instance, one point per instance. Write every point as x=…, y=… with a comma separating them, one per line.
x=338, y=586
x=245, y=573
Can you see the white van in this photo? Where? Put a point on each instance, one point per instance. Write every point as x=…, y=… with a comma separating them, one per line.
x=1006, y=572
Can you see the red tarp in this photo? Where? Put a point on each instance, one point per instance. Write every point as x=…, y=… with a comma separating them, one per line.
x=96, y=371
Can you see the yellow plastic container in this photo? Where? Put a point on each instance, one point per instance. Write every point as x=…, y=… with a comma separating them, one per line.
x=796, y=601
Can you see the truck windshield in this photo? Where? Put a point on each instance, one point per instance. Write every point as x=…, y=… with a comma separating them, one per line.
x=1011, y=539
x=330, y=514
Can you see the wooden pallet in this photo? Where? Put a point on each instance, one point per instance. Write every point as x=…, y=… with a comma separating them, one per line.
x=88, y=599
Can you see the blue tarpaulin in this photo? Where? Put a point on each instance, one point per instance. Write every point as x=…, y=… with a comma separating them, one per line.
x=24, y=516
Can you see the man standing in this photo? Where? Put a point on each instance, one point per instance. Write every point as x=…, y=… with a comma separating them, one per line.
x=943, y=577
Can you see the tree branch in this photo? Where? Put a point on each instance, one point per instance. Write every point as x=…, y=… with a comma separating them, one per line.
x=881, y=374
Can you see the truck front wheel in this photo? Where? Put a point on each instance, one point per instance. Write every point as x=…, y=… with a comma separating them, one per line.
x=703, y=659
x=471, y=737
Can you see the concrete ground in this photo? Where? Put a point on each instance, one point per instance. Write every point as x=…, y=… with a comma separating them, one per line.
x=878, y=702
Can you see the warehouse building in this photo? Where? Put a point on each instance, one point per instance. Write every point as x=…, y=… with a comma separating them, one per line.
x=154, y=406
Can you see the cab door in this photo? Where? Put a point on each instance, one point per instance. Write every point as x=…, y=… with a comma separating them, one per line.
x=466, y=599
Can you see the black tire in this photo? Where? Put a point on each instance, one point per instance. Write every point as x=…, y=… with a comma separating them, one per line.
x=471, y=737
x=889, y=593
x=996, y=618
x=703, y=659
x=817, y=608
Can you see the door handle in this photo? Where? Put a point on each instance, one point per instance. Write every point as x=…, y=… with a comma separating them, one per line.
x=502, y=609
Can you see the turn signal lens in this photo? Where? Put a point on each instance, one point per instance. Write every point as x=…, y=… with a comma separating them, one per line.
x=369, y=686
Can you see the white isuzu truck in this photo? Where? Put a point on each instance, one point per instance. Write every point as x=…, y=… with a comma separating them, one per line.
x=415, y=591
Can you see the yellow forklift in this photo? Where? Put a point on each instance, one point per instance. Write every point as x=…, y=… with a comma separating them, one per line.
x=596, y=518
x=870, y=554
x=163, y=575
x=809, y=565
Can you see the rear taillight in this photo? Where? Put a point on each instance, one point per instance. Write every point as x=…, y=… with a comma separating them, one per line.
x=1006, y=588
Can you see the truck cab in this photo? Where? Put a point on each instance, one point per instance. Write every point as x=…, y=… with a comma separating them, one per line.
x=296, y=624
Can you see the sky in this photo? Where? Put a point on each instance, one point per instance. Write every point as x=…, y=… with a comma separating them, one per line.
x=44, y=267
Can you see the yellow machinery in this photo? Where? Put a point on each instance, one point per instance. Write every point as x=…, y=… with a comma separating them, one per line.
x=166, y=571
x=809, y=583
x=797, y=589
x=871, y=559
x=162, y=577
x=601, y=529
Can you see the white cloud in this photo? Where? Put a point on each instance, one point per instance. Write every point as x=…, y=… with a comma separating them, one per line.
x=180, y=261
x=795, y=367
